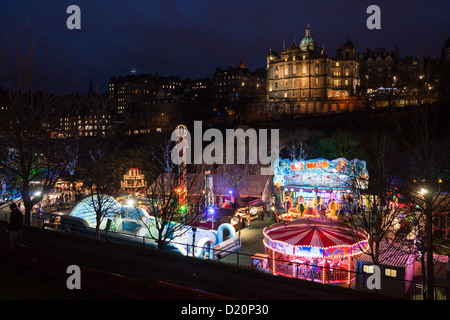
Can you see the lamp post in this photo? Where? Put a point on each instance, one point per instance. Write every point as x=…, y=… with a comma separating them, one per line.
x=211, y=213
x=194, y=230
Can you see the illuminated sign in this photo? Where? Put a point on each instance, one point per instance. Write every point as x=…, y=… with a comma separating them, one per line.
x=317, y=165
x=308, y=252
x=321, y=173
x=309, y=165
x=297, y=166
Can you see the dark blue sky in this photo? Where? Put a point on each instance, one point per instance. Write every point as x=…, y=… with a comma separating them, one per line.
x=192, y=38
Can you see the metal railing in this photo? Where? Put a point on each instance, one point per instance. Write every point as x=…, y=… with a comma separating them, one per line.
x=298, y=270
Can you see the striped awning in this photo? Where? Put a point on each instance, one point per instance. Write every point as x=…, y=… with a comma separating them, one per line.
x=392, y=254
x=314, y=236
x=317, y=233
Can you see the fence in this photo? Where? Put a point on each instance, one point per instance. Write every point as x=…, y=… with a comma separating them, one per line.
x=307, y=272
x=280, y=267
x=51, y=270
x=418, y=290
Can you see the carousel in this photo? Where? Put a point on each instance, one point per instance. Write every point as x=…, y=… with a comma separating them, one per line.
x=313, y=248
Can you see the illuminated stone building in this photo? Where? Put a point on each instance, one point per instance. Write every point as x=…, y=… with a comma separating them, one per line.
x=239, y=84
x=304, y=75
x=144, y=89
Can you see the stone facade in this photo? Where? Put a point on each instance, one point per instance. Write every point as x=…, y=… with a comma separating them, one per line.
x=305, y=73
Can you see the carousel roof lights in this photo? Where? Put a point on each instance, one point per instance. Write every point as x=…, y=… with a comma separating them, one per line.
x=315, y=256
x=357, y=244
x=314, y=237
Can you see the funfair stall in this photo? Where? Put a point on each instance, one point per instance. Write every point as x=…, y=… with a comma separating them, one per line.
x=318, y=188
x=314, y=249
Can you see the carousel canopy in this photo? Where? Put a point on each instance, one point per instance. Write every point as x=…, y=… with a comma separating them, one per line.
x=297, y=236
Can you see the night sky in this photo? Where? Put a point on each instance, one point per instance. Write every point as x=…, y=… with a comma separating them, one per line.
x=192, y=38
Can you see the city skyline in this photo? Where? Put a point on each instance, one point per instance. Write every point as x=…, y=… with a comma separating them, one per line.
x=192, y=39
x=225, y=150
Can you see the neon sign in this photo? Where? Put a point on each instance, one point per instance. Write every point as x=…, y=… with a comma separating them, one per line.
x=321, y=173
x=316, y=165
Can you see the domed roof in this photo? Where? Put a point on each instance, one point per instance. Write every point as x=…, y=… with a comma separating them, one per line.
x=86, y=209
x=273, y=53
x=349, y=44
x=307, y=41
x=293, y=47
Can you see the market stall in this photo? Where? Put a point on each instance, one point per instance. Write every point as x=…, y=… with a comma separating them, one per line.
x=313, y=248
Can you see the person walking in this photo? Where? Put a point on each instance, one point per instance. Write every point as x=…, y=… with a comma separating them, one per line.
x=314, y=270
x=326, y=270
x=15, y=226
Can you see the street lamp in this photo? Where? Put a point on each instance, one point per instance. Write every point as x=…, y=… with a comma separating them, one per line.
x=211, y=213
x=274, y=210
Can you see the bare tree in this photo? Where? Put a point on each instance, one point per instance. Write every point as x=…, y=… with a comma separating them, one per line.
x=99, y=145
x=346, y=145
x=373, y=208
x=423, y=135
x=174, y=199
x=163, y=157
x=293, y=143
x=30, y=117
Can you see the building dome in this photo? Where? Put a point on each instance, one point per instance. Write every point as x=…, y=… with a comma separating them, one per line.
x=349, y=44
x=273, y=53
x=308, y=41
x=293, y=47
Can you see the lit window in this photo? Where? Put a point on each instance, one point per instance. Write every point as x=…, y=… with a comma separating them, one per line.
x=390, y=273
x=368, y=269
